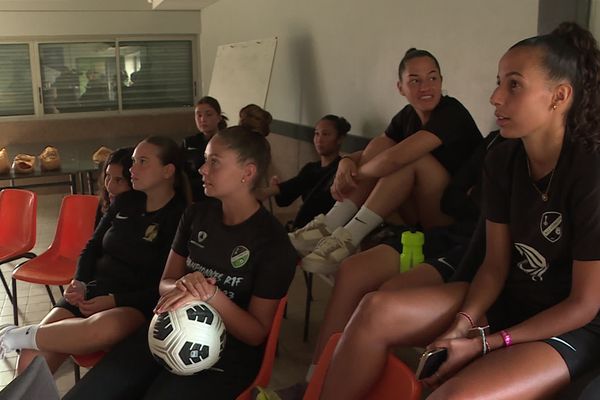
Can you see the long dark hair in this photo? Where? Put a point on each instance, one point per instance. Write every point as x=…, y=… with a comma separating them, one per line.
x=571, y=53
x=170, y=153
x=121, y=157
x=214, y=104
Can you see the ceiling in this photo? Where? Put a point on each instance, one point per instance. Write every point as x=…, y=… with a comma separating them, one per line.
x=102, y=5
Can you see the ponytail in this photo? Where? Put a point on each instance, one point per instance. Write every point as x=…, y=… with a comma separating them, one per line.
x=571, y=53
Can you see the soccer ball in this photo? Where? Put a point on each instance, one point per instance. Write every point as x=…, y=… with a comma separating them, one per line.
x=187, y=340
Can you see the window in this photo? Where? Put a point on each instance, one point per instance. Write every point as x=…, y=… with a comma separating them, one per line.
x=16, y=89
x=95, y=76
x=78, y=77
x=156, y=74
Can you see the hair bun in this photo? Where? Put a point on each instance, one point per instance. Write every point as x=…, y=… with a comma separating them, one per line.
x=410, y=50
x=256, y=119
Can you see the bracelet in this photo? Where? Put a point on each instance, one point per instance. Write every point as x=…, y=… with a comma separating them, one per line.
x=212, y=295
x=467, y=316
x=484, y=343
x=506, y=338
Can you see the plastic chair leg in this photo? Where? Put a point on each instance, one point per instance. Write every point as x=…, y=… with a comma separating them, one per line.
x=14, y=303
x=308, y=277
x=50, y=295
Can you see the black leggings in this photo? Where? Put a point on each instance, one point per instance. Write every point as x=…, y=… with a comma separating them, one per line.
x=129, y=371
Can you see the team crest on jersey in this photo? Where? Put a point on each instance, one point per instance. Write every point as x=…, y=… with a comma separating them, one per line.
x=239, y=256
x=551, y=225
x=151, y=232
x=534, y=264
x=201, y=238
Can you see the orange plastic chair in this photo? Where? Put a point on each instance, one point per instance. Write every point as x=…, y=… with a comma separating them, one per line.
x=396, y=382
x=266, y=367
x=18, y=211
x=85, y=361
x=56, y=266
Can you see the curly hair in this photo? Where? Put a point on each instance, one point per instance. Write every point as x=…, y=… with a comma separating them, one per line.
x=571, y=53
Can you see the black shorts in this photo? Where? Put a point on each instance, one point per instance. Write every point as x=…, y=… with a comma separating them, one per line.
x=443, y=249
x=580, y=348
x=62, y=303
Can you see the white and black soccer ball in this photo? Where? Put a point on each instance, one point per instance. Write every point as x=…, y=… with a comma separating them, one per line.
x=187, y=340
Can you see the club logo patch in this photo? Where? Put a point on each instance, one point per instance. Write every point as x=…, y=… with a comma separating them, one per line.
x=201, y=238
x=239, y=256
x=534, y=263
x=551, y=225
x=151, y=232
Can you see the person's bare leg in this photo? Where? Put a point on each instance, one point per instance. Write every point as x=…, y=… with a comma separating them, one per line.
x=525, y=371
x=410, y=317
x=54, y=360
x=424, y=180
x=360, y=194
x=420, y=275
x=430, y=183
x=357, y=276
x=87, y=335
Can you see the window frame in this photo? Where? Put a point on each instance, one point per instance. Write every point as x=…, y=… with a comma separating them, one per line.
x=36, y=75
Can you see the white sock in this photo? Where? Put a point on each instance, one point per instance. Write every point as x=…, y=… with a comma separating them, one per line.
x=340, y=213
x=363, y=222
x=22, y=337
x=310, y=371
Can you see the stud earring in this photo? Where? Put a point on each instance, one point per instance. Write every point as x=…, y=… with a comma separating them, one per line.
x=243, y=180
x=554, y=106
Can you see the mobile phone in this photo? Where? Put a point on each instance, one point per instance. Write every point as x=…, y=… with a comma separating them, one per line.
x=430, y=362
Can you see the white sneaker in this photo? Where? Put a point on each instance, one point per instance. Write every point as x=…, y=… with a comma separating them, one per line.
x=4, y=349
x=306, y=238
x=330, y=252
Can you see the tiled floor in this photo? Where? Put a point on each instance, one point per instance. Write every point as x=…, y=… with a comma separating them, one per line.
x=293, y=356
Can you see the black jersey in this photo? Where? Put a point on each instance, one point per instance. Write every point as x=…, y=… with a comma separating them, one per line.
x=254, y=258
x=450, y=121
x=126, y=255
x=546, y=236
x=313, y=183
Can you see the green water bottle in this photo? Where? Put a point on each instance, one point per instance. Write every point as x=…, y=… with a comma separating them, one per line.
x=412, y=250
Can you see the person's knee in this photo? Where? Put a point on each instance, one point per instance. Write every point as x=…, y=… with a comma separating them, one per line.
x=451, y=390
x=372, y=310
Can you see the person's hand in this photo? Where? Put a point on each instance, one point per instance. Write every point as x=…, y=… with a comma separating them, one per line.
x=195, y=283
x=75, y=292
x=345, y=179
x=97, y=304
x=460, y=352
x=188, y=288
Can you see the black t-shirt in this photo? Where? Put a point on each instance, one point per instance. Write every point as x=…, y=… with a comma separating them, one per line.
x=313, y=183
x=193, y=152
x=450, y=121
x=254, y=258
x=126, y=255
x=546, y=236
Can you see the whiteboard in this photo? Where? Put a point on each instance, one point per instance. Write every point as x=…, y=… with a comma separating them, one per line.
x=241, y=75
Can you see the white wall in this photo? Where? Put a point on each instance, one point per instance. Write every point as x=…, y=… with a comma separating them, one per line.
x=32, y=23
x=595, y=18
x=341, y=56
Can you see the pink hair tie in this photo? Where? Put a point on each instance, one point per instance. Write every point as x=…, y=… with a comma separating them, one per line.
x=506, y=338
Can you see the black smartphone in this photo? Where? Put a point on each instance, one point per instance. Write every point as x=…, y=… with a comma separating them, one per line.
x=430, y=362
